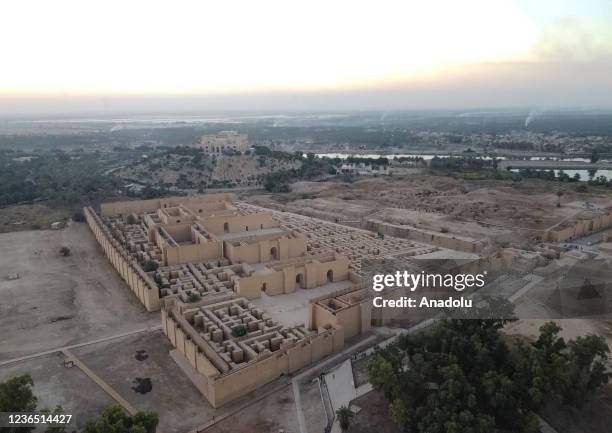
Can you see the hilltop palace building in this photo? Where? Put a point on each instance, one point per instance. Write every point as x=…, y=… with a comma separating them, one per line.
x=246, y=294
x=225, y=141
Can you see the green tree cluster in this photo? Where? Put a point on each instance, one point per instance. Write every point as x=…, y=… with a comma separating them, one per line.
x=16, y=395
x=461, y=163
x=462, y=377
x=115, y=420
x=56, y=176
x=311, y=168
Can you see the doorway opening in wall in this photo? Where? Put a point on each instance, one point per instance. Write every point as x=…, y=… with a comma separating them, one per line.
x=299, y=281
x=274, y=253
x=263, y=287
x=226, y=227
x=330, y=276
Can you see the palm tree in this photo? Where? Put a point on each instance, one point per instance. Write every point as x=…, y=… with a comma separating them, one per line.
x=344, y=415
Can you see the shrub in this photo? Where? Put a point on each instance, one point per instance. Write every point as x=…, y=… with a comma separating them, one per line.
x=78, y=217
x=150, y=266
x=344, y=415
x=194, y=297
x=239, y=331
x=114, y=419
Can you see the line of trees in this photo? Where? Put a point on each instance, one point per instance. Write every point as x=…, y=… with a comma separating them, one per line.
x=56, y=176
x=311, y=168
x=461, y=163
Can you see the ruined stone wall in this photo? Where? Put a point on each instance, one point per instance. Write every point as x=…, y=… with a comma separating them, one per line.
x=443, y=240
x=578, y=229
x=130, y=271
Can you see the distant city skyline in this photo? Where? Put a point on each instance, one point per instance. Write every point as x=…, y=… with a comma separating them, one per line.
x=70, y=56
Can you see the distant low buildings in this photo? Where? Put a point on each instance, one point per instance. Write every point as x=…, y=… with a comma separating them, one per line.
x=224, y=141
x=362, y=169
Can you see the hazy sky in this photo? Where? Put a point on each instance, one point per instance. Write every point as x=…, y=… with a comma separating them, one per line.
x=109, y=55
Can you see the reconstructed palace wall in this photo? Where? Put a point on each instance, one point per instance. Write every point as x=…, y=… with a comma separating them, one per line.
x=352, y=309
x=221, y=387
x=349, y=308
x=192, y=253
x=224, y=141
x=222, y=224
x=287, y=277
x=130, y=271
x=195, y=249
x=265, y=250
x=142, y=206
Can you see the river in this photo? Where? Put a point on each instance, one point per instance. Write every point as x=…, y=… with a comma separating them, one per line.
x=584, y=174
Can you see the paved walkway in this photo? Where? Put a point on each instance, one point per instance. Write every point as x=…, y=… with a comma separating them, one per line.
x=75, y=346
x=340, y=385
x=71, y=358
x=296, y=380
